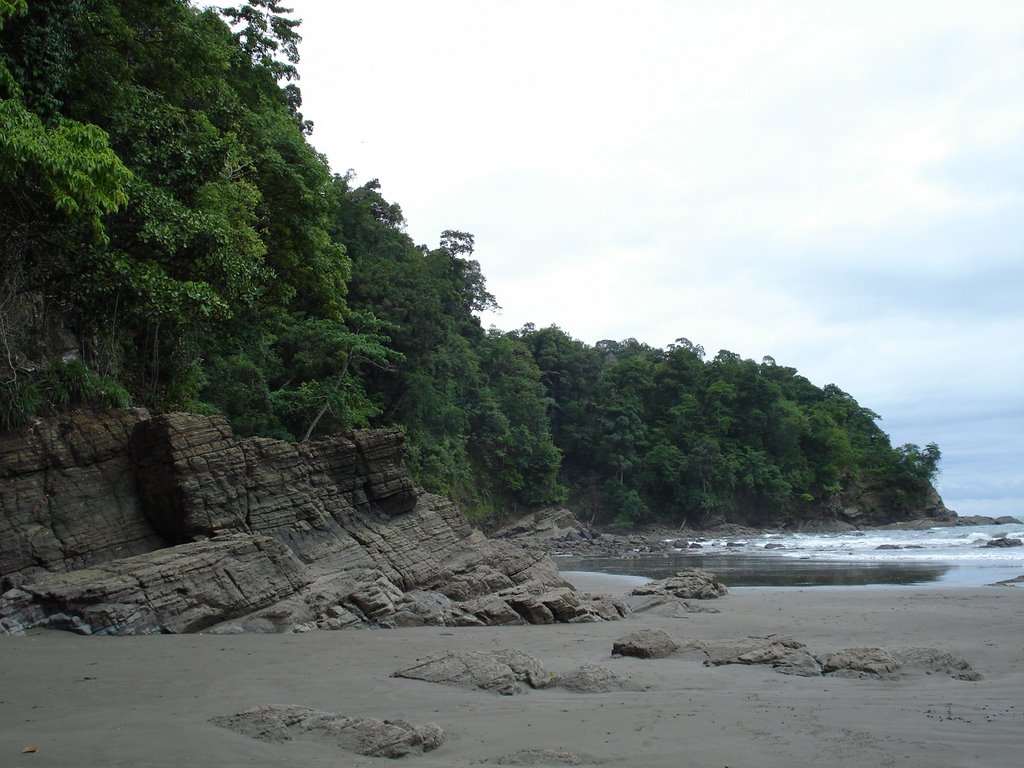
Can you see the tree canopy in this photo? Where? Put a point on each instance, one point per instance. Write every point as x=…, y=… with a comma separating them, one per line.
x=169, y=237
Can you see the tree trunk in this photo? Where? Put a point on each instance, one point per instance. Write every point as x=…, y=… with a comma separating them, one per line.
x=327, y=400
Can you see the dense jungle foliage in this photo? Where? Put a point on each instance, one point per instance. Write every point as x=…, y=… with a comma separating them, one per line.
x=170, y=238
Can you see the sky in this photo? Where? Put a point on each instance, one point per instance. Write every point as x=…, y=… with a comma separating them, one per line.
x=839, y=185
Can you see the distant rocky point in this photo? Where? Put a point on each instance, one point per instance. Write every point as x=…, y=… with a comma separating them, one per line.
x=126, y=523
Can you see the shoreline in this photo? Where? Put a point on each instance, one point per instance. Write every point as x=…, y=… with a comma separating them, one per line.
x=958, y=576
x=616, y=584
x=619, y=584
x=937, y=557
x=147, y=701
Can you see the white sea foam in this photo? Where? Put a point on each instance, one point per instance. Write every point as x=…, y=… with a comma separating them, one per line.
x=940, y=556
x=940, y=544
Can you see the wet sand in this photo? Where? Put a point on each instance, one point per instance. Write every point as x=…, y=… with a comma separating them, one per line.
x=147, y=701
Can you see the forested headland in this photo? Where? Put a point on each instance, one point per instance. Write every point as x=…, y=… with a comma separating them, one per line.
x=170, y=238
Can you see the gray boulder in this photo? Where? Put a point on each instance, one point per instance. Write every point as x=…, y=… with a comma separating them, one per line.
x=1004, y=542
x=894, y=664
x=974, y=520
x=493, y=611
x=645, y=644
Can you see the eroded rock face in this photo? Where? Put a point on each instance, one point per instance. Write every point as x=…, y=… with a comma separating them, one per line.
x=68, y=496
x=1004, y=542
x=363, y=735
x=170, y=524
x=195, y=479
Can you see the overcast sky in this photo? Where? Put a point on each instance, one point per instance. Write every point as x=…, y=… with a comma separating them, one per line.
x=839, y=185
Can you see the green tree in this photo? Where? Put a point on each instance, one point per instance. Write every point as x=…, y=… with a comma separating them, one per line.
x=510, y=438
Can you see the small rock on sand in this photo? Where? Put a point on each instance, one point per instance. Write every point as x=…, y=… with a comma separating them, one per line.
x=363, y=735
x=645, y=644
x=591, y=678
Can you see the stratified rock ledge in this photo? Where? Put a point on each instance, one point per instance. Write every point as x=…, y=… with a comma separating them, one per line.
x=123, y=523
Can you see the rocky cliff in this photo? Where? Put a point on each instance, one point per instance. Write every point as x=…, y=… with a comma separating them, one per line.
x=123, y=523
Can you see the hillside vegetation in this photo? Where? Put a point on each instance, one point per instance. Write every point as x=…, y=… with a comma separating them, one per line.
x=170, y=238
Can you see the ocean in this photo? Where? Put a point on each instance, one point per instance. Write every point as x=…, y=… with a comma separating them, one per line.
x=941, y=556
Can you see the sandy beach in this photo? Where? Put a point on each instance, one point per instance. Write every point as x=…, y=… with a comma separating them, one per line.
x=147, y=701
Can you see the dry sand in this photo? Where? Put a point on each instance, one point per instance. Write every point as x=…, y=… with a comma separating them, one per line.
x=146, y=701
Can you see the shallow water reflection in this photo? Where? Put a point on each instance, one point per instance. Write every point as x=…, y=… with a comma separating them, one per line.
x=747, y=571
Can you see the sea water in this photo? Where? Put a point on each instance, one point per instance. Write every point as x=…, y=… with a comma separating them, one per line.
x=946, y=556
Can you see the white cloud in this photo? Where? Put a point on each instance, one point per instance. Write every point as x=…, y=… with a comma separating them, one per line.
x=838, y=185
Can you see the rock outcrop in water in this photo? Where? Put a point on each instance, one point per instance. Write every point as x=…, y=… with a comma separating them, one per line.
x=127, y=524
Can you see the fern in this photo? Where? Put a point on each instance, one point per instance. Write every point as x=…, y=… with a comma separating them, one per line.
x=20, y=401
x=62, y=385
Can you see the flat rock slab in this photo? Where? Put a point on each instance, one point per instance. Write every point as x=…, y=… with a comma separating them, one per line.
x=690, y=584
x=645, y=644
x=791, y=657
x=1016, y=580
x=363, y=735
x=894, y=664
x=186, y=588
x=499, y=671
x=667, y=605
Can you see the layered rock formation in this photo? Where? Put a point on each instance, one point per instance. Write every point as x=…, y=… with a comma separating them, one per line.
x=68, y=497
x=125, y=523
